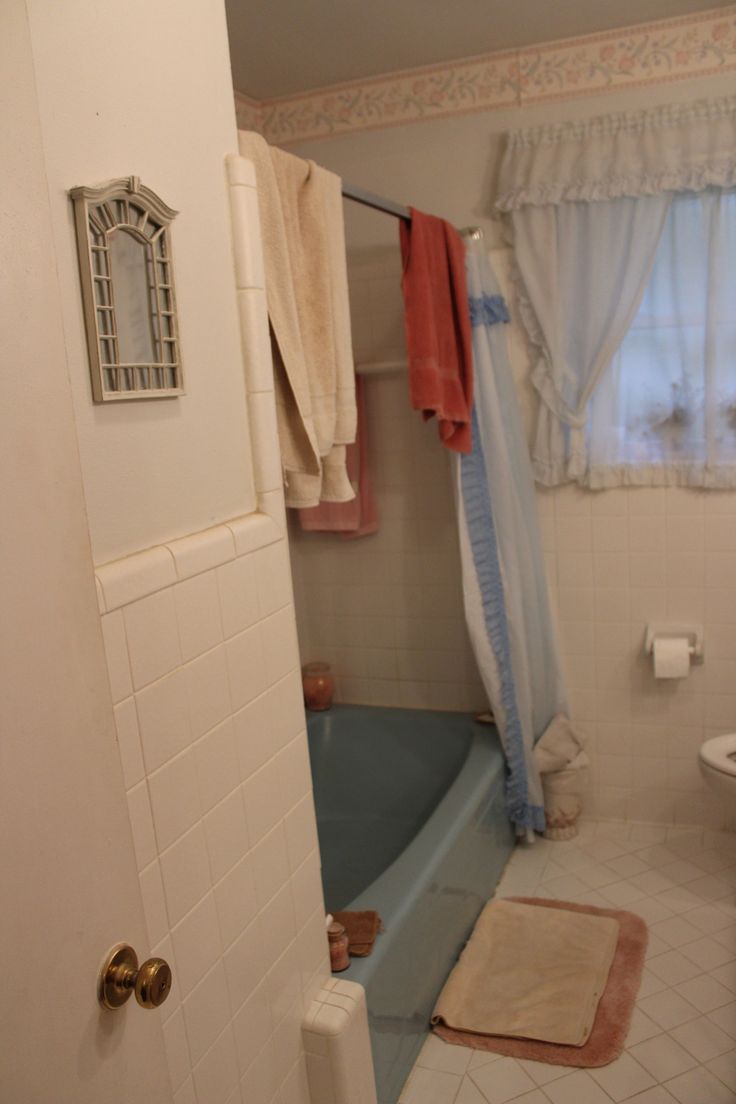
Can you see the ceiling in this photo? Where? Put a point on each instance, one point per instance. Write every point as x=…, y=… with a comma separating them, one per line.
x=281, y=47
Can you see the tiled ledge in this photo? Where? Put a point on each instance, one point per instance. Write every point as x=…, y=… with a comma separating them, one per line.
x=133, y=577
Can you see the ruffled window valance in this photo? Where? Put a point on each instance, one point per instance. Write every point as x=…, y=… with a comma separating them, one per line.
x=588, y=206
x=678, y=148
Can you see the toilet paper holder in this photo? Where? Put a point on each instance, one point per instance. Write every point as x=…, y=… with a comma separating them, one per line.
x=694, y=634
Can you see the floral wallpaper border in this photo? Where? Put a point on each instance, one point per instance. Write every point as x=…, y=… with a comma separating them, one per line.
x=248, y=112
x=653, y=53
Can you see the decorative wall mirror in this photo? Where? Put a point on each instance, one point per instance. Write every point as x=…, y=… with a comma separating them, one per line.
x=128, y=296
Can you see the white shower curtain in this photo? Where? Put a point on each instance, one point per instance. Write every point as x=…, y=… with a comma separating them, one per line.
x=506, y=600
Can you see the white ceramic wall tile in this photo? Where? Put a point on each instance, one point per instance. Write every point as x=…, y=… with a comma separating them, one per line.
x=255, y=531
x=217, y=764
x=281, y=985
x=186, y=1094
x=306, y=888
x=254, y=739
x=286, y=702
x=293, y=765
x=263, y=804
x=174, y=794
x=246, y=666
x=101, y=605
x=206, y=1011
x=185, y=872
x=124, y=581
x=261, y=1077
x=295, y=1088
x=141, y=822
x=278, y=926
x=273, y=578
x=244, y=964
x=280, y=649
x=216, y=1075
x=153, y=637
x=227, y=834
x=271, y=503
x=252, y=1026
x=154, y=903
x=208, y=690
x=287, y=1035
x=264, y=432
x=163, y=717
x=198, y=615
x=235, y=899
x=116, y=654
x=271, y=865
x=196, y=941
x=255, y=338
x=129, y=742
x=202, y=551
x=409, y=598
x=177, y=1050
x=237, y=586
x=210, y=727
x=301, y=831
x=249, y=271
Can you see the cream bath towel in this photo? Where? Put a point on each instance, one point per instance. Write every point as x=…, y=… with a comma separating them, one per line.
x=346, y=417
x=306, y=291
x=530, y=972
x=297, y=437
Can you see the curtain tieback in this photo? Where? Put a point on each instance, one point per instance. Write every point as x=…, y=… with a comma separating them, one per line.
x=546, y=388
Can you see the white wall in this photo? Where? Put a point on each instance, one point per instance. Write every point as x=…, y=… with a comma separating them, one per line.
x=194, y=590
x=616, y=559
x=68, y=878
x=144, y=88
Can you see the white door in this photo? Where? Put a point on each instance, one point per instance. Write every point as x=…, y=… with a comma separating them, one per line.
x=68, y=882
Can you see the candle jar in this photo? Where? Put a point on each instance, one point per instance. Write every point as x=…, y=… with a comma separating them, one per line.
x=319, y=686
x=337, y=938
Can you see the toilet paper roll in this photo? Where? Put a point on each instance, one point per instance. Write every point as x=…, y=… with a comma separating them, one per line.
x=671, y=657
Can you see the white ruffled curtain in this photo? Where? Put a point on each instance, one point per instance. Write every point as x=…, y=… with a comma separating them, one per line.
x=587, y=204
x=665, y=409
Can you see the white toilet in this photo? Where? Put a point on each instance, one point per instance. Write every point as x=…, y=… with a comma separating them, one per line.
x=717, y=760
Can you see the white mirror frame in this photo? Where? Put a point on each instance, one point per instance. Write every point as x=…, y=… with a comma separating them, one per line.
x=126, y=204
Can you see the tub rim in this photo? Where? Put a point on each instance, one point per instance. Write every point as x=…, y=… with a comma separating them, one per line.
x=394, y=893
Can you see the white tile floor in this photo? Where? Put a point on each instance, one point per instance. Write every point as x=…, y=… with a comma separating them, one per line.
x=682, y=1042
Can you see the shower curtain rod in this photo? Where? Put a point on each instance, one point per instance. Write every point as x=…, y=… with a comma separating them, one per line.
x=368, y=199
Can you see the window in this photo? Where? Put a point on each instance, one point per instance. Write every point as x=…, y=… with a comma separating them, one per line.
x=665, y=409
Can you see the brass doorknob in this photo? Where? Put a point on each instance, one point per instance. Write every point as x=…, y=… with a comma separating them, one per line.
x=120, y=976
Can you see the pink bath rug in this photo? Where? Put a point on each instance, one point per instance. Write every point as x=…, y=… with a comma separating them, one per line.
x=611, y=1026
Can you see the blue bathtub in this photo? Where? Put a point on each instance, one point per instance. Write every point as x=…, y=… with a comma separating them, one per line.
x=411, y=821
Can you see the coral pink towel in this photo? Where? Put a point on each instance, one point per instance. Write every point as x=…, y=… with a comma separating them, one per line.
x=359, y=517
x=437, y=321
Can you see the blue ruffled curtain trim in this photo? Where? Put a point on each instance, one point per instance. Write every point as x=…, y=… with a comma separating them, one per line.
x=482, y=535
x=487, y=310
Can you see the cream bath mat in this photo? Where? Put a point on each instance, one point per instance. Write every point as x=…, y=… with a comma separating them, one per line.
x=613, y=1018
x=530, y=972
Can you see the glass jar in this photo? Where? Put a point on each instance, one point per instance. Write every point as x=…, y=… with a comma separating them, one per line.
x=337, y=938
x=319, y=686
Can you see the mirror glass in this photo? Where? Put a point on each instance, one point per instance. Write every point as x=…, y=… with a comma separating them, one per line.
x=130, y=280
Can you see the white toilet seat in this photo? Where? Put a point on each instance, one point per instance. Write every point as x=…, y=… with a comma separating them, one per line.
x=716, y=751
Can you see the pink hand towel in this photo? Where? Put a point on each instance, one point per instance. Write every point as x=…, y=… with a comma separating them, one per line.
x=359, y=517
x=437, y=322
